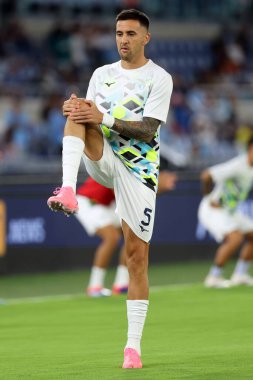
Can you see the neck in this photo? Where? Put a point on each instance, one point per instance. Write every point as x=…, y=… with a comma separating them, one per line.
x=133, y=64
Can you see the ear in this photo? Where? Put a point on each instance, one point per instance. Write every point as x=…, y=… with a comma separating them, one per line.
x=147, y=39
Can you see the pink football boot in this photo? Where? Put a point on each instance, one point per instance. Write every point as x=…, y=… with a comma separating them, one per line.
x=131, y=359
x=64, y=199
x=116, y=290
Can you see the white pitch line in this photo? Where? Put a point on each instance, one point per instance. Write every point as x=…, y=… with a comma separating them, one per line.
x=39, y=299
x=63, y=297
x=158, y=288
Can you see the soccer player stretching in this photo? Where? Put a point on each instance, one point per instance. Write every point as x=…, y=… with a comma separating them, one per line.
x=116, y=130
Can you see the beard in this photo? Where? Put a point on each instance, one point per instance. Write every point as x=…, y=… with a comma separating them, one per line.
x=126, y=56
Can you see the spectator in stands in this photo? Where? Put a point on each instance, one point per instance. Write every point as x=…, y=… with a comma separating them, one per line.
x=16, y=39
x=53, y=123
x=78, y=47
x=101, y=44
x=181, y=114
x=58, y=41
x=230, y=50
x=18, y=128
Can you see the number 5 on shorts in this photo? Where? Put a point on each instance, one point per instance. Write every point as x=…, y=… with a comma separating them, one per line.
x=147, y=213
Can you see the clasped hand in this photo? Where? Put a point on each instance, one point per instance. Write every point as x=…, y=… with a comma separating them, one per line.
x=82, y=111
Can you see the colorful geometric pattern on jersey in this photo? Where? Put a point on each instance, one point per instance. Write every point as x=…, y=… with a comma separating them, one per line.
x=96, y=192
x=124, y=94
x=140, y=157
x=232, y=194
x=233, y=181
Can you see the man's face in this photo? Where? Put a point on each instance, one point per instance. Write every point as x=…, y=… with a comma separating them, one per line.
x=131, y=37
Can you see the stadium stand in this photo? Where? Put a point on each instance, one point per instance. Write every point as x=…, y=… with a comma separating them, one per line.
x=48, y=50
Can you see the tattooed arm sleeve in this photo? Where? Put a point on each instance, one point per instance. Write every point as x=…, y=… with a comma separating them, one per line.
x=141, y=130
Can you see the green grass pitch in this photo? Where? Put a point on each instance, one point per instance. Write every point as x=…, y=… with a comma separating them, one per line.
x=190, y=332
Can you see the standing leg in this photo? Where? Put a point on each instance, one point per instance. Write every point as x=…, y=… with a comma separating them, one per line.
x=240, y=275
x=231, y=243
x=137, y=303
x=110, y=237
x=121, y=281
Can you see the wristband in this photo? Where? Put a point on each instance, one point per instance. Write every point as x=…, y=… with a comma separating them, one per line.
x=108, y=120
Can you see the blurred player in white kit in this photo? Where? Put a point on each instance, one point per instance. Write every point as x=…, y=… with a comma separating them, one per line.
x=225, y=186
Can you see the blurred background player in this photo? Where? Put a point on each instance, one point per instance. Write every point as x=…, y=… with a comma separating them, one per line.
x=218, y=212
x=98, y=217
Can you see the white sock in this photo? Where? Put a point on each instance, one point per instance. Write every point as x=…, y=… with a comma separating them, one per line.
x=242, y=267
x=216, y=271
x=97, y=277
x=72, y=151
x=122, y=276
x=136, y=315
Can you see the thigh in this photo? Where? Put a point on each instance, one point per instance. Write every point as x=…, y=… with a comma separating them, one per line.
x=133, y=243
x=94, y=142
x=135, y=202
x=102, y=170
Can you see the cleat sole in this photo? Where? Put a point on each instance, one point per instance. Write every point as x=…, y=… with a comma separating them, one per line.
x=57, y=206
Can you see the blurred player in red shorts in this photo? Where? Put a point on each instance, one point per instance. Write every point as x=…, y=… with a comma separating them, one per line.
x=98, y=217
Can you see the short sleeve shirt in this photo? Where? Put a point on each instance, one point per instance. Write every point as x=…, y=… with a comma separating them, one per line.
x=233, y=181
x=131, y=95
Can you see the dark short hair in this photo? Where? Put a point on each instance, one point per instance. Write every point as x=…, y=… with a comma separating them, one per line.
x=133, y=14
x=250, y=142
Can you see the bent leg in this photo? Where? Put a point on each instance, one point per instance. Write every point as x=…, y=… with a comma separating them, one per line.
x=240, y=275
x=73, y=129
x=231, y=243
x=74, y=140
x=110, y=240
x=91, y=135
x=121, y=281
x=247, y=250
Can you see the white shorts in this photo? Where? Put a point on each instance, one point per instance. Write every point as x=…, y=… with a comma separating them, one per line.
x=94, y=216
x=135, y=202
x=219, y=222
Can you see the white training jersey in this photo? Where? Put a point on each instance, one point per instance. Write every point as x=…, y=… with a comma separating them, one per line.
x=131, y=95
x=233, y=181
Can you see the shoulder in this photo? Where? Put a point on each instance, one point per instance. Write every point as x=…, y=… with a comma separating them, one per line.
x=105, y=68
x=160, y=72
x=234, y=165
x=238, y=160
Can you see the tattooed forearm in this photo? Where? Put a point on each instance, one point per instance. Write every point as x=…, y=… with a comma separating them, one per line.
x=141, y=130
